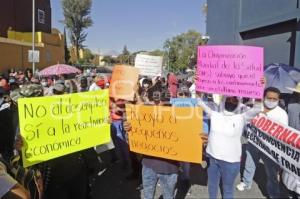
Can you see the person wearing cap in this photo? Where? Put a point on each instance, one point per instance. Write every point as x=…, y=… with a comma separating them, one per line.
x=58, y=89
x=293, y=109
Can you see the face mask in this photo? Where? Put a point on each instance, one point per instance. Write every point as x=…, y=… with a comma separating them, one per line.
x=270, y=104
x=44, y=84
x=146, y=85
x=230, y=107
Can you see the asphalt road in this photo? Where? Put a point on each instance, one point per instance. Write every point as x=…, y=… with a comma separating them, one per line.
x=112, y=184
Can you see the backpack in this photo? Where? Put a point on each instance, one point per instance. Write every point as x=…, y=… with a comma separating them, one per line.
x=30, y=178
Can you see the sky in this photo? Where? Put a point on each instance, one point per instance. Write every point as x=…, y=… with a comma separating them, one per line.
x=139, y=24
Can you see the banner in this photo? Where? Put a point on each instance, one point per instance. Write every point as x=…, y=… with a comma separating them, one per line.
x=230, y=70
x=279, y=142
x=149, y=65
x=123, y=81
x=59, y=125
x=161, y=131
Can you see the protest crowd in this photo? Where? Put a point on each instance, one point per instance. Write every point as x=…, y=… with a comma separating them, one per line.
x=230, y=135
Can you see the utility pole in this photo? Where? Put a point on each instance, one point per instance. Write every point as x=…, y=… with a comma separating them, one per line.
x=33, y=36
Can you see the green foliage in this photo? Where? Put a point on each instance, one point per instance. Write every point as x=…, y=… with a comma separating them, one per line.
x=182, y=50
x=109, y=60
x=157, y=53
x=77, y=19
x=124, y=58
x=88, y=55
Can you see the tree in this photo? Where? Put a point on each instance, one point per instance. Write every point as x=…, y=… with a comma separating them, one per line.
x=87, y=56
x=109, y=60
x=182, y=50
x=157, y=52
x=77, y=19
x=124, y=58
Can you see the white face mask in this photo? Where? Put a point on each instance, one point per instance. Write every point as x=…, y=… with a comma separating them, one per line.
x=44, y=84
x=270, y=104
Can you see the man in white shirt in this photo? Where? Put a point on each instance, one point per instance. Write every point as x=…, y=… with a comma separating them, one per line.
x=289, y=180
x=253, y=155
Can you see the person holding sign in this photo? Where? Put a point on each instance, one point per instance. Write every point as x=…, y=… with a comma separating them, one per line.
x=274, y=112
x=294, y=121
x=64, y=177
x=154, y=168
x=224, y=148
x=183, y=100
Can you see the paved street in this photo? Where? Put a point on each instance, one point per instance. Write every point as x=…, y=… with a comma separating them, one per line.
x=113, y=184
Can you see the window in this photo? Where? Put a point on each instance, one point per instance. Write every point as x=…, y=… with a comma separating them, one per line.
x=41, y=16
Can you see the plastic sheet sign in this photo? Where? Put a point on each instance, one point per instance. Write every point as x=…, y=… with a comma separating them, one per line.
x=230, y=70
x=124, y=80
x=58, y=125
x=166, y=132
x=279, y=142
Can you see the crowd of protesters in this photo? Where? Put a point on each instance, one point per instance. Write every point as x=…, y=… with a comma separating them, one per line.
x=222, y=133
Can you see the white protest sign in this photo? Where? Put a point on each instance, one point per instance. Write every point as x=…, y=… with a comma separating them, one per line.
x=149, y=65
x=279, y=142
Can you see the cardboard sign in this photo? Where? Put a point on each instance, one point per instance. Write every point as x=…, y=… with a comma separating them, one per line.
x=59, y=125
x=149, y=65
x=230, y=70
x=123, y=81
x=161, y=131
x=279, y=142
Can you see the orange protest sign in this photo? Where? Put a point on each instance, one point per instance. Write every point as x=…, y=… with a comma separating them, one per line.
x=166, y=132
x=123, y=81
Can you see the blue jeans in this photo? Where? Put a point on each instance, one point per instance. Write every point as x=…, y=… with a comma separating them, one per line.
x=119, y=140
x=271, y=168
x=224, y=171
x=167, y=181
x=252, y=157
